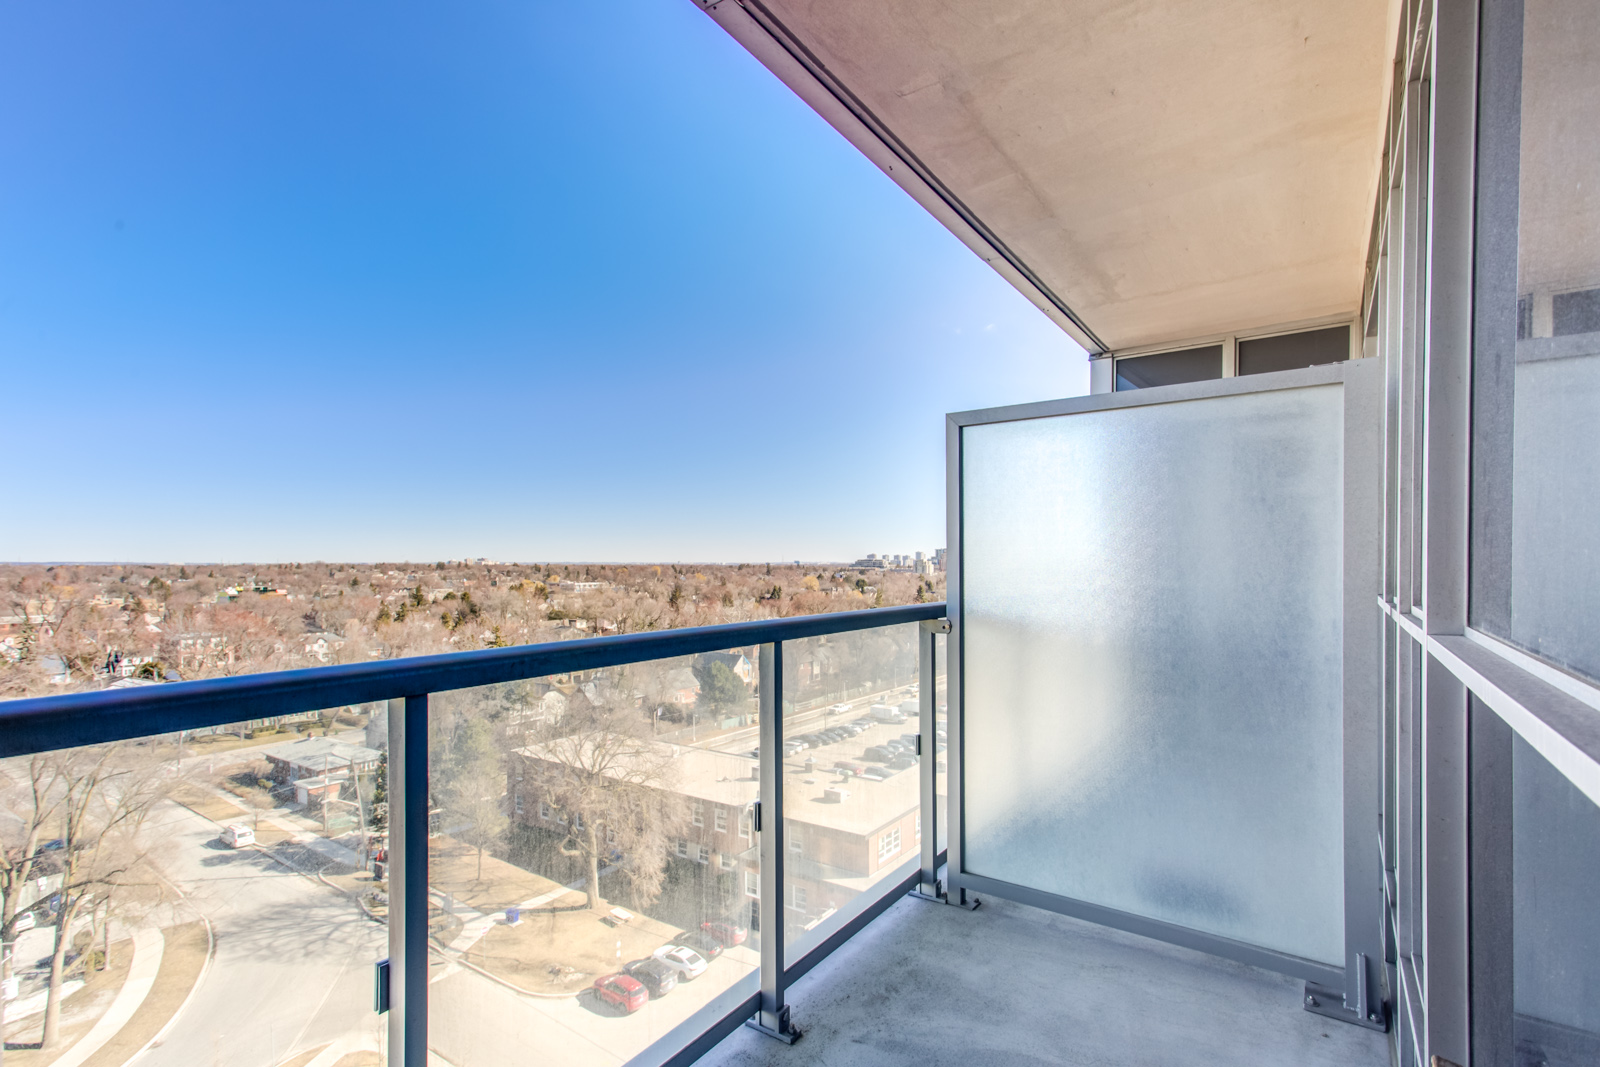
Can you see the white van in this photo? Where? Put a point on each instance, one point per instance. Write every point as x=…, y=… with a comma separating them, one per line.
x=886, y=713
x=235, y=836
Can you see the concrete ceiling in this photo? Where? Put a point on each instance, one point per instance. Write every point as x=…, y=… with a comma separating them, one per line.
x=1147, y=171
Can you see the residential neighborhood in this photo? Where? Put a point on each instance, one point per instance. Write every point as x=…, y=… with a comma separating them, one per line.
x=580, y=823
x=71, y=627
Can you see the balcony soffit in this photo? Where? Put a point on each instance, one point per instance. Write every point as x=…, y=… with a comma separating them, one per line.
x=1166, y=168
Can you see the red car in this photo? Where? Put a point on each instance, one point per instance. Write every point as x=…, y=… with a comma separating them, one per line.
x=621, y=991
x=729, y=934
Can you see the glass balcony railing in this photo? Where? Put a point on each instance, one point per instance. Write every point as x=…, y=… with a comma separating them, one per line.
x=559, y=847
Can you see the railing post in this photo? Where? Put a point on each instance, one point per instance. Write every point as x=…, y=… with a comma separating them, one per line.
x=928, y=753
x=408, y=882
x=773, y=1018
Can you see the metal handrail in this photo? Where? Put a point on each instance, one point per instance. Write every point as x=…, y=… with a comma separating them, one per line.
x=38, y=724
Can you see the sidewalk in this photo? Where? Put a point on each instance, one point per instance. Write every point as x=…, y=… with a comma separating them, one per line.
x=165, y=967
x=148, y=947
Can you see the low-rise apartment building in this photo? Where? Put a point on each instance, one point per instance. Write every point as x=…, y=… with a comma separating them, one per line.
x=843, y=833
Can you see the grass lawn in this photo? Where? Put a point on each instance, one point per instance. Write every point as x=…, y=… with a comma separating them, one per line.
x=181, y=962
x=453, y=869
x=565, y=951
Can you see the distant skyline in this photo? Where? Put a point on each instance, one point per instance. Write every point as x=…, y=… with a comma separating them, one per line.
x=406, y=282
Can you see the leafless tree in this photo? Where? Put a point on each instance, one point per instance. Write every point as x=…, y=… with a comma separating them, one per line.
x=29, y=810
x=104, y=799
x=600, y=767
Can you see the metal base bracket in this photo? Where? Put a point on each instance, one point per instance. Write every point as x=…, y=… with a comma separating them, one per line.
x=1323, y=1001
x=784, y=1031
x=940, y=895
x=960, y=899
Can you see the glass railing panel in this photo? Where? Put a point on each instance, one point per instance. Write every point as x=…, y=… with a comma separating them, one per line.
x=851, y=800
x=219, y=890
x=584, y=827
x=1556, y=927
x=1152, y=662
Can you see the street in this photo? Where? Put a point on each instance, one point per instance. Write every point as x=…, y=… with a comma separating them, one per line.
x=293, y=967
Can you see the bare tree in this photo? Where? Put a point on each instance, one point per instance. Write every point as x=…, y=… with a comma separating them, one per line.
x=102, y=806
x=602, y=770
x=19, y=856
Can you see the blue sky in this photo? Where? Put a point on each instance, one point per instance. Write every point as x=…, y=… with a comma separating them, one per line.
x=415, y=281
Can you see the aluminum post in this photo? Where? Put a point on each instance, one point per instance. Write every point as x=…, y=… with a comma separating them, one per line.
x=773, y=1018
x=928, y=753
x=408, y=882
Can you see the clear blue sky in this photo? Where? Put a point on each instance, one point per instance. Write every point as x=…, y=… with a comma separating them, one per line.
x=413, y=281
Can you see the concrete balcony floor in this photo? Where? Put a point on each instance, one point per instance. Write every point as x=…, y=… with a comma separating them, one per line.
x=1012, y=985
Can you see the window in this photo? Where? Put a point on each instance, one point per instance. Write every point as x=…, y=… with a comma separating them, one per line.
x=725, y=861
x=516, y=803
x=797, y=897
x=720, y=819
x=544, y=811
x=683, y=848
x=797, y=845
x=697, y=813
x=744, y=825
x=889, y=844
x=1169, y=368
x=752, y=884
x=1289, y=351
x=703, y=854
x=577, y=821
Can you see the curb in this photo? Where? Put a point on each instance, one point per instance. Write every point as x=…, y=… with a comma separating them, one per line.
x=200, y=979
x=503, y=981
x=362, y=904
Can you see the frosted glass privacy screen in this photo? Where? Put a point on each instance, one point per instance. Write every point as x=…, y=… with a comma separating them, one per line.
x=1153, y=641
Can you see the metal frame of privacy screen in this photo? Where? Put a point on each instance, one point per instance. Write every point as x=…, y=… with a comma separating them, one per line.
x=1349, y=647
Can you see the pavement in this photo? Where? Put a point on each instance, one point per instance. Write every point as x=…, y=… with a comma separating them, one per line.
x=293, y=972
x=293, y=963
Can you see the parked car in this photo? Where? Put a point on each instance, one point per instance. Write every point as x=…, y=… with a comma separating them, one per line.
x=844, y=766
x=793, y=748
x=702, y=942
x=839, y=709
x=729, y=933
x=657, y=978
x=686, y=961
x=902, y=762
x=880, y=773
x=236, y=836
x=910, y=739
x=622, y=991
x=878, y=754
